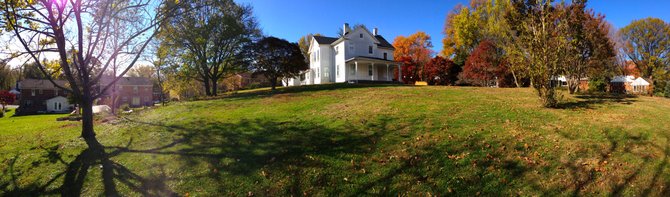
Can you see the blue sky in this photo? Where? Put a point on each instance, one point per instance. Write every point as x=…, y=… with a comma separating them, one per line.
x=291, y=19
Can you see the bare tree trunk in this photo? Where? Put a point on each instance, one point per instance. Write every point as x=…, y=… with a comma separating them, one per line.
x=87, y=131
x=274, y=83
x=205, y=82
x=516, y=81
x=215, y=87
x=160, y=86
x=651, y=85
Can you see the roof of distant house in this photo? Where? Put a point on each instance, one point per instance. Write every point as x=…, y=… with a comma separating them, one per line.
x=623, y=79
x=40, y=84
x=640, y=82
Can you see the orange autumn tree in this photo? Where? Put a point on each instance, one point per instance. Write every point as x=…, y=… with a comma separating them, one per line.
x=415, y=48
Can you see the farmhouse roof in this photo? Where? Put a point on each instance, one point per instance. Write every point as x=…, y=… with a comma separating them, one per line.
x=324, y=39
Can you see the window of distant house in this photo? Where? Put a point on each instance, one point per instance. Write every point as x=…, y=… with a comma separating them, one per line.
x=360, y=35
x=317, y=55
x=40, y=91
x=385, y=56
x=337, y=50
x=317, y=73
x=370, y=70
x=135, y=89
x=32, y=92
x=29, y=103
x=125, y=99
x=56, y=92
x=353, y=69
x=370, y=49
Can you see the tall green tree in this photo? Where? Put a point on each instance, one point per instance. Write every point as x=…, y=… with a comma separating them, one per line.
x=646, y=42
x=466, y=27
x=7, y=78
x=213, y=36
x=304, y=43
x=539, y=41
x=277, y=59
x=591, y=52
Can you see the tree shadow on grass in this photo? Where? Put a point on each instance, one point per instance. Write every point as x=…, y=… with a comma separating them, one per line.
x=591, y=101
x=250, y=145
x=593, y=175
x=299, y=89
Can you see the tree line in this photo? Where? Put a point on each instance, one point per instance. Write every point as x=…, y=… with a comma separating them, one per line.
x=182, y=41
x=521, y=43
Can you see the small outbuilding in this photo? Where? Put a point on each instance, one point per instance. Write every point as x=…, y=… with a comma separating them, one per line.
x=58, y=104
x=629, y=85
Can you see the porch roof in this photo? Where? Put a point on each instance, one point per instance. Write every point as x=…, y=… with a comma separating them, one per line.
x=372, y=59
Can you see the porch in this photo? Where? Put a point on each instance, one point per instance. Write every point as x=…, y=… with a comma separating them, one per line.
x=367, y=70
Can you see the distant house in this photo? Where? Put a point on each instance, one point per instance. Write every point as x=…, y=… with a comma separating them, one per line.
x=359, y=55
x=41, y=96
x=629, y=85
x=133, y=91
x=562, y=81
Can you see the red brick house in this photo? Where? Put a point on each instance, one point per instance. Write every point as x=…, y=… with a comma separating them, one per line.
x=41, y=96
x=134, y=91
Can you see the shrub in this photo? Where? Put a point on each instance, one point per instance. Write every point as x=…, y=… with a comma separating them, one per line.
x=597, y=84
x=125, y=107
x=667, y=89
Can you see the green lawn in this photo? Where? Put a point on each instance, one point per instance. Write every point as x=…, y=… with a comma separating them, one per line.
x=350, y=140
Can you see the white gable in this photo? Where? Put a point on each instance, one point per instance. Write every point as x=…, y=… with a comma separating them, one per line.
x=640, y=82
x=356, y=34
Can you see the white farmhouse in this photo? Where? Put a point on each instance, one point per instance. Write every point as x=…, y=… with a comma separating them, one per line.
x=358, y=56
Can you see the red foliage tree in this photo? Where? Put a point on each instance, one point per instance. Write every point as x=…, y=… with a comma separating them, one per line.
x=416, y=47
x=410, y=69
x=631, y=69
x=6, y=98
x=441, y=71
x=486, y=67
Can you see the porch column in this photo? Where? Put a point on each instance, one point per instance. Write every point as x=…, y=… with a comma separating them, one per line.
x=387, y=73
x=372, y=65
x=400, y=74
x=355, y=70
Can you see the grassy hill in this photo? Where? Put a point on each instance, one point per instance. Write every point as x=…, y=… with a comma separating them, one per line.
x=354, y=140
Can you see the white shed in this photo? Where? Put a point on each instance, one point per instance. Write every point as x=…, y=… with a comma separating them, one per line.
x=58, y=104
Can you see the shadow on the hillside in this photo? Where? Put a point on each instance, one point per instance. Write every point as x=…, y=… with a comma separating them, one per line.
x=591, y=101
x=298, y=89
x=238, y=149
x=594, y=174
